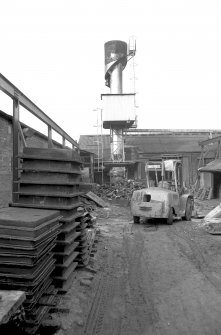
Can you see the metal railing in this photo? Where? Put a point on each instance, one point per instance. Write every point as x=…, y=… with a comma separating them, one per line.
x=20, y=99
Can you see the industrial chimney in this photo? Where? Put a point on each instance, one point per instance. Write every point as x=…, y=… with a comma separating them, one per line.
x=118, y=108
x=115, y=62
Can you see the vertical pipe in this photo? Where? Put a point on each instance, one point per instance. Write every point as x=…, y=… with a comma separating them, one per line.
x=116, y=86
x=15, y=150
x=123, y=149
x=63, y=141
x=111, y=143
x=218, y=150
x=203, y=154
x=98, y=147
x=102, y=150
x=49, y=137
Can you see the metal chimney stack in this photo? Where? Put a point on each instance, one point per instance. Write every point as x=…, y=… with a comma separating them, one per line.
x=115, y=62
x=118, y=108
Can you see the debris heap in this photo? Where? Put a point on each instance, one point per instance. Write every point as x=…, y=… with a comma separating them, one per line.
x=120, y=190
x=212, y=221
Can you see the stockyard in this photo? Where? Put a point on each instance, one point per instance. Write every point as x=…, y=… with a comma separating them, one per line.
x=116, y=234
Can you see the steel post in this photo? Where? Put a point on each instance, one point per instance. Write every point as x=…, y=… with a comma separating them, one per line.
x=15, y=149
x=50, y=145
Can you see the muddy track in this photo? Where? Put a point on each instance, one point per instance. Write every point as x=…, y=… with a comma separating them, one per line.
x=141, y=301
x=104, y=286
x=123, y=305
x=124, y=302
x=195, y=254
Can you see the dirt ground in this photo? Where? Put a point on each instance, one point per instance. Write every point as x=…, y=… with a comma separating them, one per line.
x=146, y=279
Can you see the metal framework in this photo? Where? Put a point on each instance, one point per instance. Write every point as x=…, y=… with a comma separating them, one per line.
x=20, y=99
x=117, y=145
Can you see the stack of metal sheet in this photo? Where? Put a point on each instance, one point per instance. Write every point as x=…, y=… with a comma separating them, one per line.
x=50, y=179
x=85, y=239
x=66, y=253
x=27, y=237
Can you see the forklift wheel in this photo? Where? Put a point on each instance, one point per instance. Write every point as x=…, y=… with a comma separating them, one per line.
x=188, y=211
x=170, y=217
x=136, y=219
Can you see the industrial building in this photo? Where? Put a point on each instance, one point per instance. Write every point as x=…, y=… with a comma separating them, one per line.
x=142, y=145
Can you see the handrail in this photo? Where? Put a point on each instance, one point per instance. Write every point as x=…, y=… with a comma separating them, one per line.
x=20, y=99
x=13, y=92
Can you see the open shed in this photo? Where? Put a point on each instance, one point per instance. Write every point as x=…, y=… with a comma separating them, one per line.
x=210, y=177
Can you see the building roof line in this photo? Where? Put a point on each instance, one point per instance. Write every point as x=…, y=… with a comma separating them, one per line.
x=174, y=130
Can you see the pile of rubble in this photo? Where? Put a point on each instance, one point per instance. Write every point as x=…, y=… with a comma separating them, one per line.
x=203, y=207
x=212, y=221
x=121, y=190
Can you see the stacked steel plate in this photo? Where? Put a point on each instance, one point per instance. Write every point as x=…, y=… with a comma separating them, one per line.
x=27, y=237
x=65, y=253
x=50, y=179
x=85, y=239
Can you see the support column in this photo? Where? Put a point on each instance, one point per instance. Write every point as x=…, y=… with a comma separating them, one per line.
x=15, y=149
x=50, y=137
x=63, y=141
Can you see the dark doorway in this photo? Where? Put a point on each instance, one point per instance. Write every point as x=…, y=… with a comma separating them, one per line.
x=217, y=185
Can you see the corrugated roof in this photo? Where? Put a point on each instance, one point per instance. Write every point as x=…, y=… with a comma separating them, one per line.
x=173, y=131
x=214, y=166
x=150, y=144
x=166, y=143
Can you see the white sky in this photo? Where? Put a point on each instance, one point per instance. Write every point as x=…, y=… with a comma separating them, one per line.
x=53, y=51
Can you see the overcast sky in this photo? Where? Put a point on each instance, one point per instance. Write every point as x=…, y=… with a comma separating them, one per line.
x=53, y=51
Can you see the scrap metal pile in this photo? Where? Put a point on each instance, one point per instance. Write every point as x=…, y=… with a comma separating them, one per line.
x=212, y=221
x=120, y=190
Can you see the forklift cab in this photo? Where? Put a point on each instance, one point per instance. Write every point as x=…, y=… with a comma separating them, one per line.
x=172, y=176
x=168, y=174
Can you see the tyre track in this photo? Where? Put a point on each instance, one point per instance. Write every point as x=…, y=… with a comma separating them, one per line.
x=141, y=302
x=121, y=279
x=95, y=318
x=197, y=254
